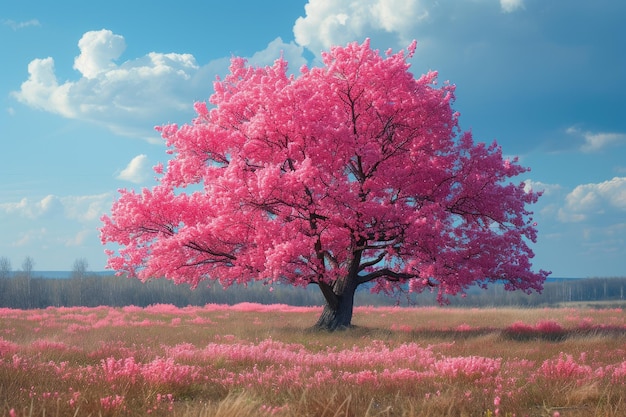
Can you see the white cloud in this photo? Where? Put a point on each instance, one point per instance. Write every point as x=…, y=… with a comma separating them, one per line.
x=595, y=141
x=131, y=97
x=10, y=208
x=547, y=189
x=137, y=170
x=291, y=52
x=336, y=22
x=601, y=199
x=46, y=227
x=509, y=6
x=98, y=50
x=82, y=208
x=87, y=208
x=42, y=90
x=29, y=237
x=397, y=15
x=79, y=238
x=21, y=25
x=48, y=206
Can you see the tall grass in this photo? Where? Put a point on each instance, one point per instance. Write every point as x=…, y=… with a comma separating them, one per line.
x=251, y=359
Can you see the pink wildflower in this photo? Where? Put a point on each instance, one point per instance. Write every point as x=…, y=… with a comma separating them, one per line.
x=112, y=403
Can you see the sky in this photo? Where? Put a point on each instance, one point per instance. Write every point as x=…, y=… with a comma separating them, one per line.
x=83, y=84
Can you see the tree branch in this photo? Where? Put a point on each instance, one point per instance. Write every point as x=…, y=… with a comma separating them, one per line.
x=388, y=274
x=195, y=246
x=372, y=262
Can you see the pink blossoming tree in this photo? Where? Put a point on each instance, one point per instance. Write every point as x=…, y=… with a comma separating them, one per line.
x=347, y=174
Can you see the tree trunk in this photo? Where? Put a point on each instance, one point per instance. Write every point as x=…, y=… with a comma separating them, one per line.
x=337, y=314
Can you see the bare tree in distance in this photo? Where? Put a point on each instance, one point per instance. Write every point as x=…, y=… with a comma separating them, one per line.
x=79, y=270
x=27, y=267
x=5, y=267
x=27, y=273
x=5, y=275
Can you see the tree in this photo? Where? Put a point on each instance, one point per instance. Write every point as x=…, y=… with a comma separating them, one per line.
x=5, y=275
x=79, y=270
x=5, y=267
x=27, y=274
x=27, y=267
x=348, y=174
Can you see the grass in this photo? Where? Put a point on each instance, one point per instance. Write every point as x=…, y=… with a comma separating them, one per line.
x=253, y=360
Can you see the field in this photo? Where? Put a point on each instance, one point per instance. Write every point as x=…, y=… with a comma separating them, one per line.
x=256, y=360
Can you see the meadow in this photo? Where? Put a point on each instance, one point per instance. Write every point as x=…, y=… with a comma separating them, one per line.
x=262, y=360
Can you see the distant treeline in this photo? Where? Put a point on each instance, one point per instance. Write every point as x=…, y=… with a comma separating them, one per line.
x=25, y=292
x=93, y=290
x=610, y=291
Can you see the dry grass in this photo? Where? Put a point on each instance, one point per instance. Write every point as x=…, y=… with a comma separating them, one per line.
x=52, y=362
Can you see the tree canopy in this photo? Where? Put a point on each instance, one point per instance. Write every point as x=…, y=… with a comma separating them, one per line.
x=349, y=173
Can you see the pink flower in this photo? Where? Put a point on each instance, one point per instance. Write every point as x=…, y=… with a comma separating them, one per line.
x=110, y=402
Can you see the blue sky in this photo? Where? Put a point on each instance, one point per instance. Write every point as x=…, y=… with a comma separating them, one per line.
x=83, y=84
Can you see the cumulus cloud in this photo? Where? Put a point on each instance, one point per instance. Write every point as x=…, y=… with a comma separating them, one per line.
x=129, y=97
x=43, y=91
x=509, y=6
x=536, y=186
x=595, y=199
x=336, y=22
x=98, y=51
x=596, y=141
x=137, y=170
x=291, y=52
